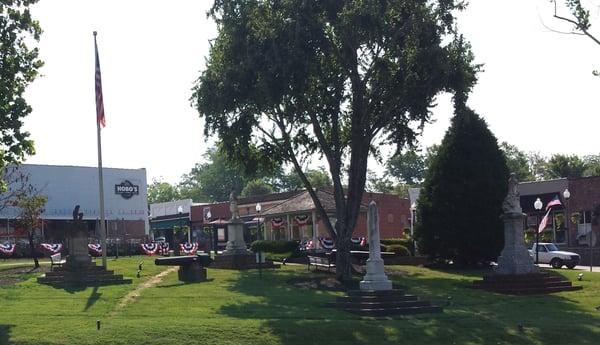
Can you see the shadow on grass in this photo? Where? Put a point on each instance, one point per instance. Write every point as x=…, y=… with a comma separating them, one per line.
x=298, y=316
x=94, y=297
x=5, y=334
x=180, y=283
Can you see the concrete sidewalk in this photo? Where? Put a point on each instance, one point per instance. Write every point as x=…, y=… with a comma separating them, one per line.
x=578, y=267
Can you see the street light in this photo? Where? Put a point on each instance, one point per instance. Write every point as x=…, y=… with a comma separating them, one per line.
x=538, y=206
x=180, y=212
x=212, y=237
x=258, y=237
x=413, y=213
x=566, y=196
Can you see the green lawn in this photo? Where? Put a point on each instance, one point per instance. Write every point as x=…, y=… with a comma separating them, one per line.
x=239, y=308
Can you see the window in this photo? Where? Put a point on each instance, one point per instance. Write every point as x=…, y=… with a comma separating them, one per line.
x=390, y=218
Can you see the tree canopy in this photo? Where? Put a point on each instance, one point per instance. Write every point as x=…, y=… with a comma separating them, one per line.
x=19, y=66
x=330, y=78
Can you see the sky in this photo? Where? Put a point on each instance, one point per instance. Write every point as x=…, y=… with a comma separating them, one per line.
x=537, y=90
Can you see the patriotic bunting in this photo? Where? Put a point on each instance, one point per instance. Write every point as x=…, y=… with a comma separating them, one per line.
x=359, y=241
x=277, y=222
x=188, y=248
x=302, y=219
x=150, y=248
x=95, y=249
x=7, y=249
x=326, y=243
x=52, y=248
x=163, y=248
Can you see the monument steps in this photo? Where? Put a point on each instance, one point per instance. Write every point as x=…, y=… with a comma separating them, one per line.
x=383, y=303
x=525, y=284
x=372, y=299
x=395, y=311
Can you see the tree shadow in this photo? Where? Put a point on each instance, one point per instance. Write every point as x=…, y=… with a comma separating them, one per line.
x=180, y=283
x=5, y=334
x=297, y=315
x=94, y=297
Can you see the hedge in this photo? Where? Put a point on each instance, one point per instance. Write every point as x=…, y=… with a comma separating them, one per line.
x=274, y=246
x=398, y=249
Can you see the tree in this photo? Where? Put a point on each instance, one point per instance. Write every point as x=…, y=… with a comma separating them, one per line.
x=517, y=162
x=18, y=68
x=407, y=167
x=460, y=204
x=329, y=78
x=256, y=187
x=592, y=163
x=318, y=178
x=16, y=183
x=220, y=174
x=564, y=166
x=161, y=191
x=31, y=207
x=537, y=165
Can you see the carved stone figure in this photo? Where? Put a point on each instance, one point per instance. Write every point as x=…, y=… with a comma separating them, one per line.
x=233, y=206
x=511, y=203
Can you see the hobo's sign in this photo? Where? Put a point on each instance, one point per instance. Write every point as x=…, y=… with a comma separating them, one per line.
x=126, y=189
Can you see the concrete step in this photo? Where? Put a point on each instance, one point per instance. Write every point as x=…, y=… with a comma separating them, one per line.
x=381, y=305
x=376, y=293
x=372, y=299
x=395, y=311
x=534, y=291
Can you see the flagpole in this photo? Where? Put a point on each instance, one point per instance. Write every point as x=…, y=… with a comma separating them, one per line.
x=100, y=177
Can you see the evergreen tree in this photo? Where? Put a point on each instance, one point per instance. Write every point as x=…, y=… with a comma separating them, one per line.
x=460, y=204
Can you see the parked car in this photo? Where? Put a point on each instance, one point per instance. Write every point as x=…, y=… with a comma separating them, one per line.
x=550, y=254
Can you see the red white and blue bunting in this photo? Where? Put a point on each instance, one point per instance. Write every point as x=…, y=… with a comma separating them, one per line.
x=326, y=243
x=52, y=248
x=302, y=219
x=277, y=222
x=163, y=248
x=95, y=249
x=307, y=245
x=150, y=248
x=359, y=241
x=7, y=249
x=188, y=248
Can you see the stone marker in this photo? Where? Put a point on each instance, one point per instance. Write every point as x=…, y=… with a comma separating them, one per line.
x=375, y=279
x=514, y=258
x=235, y=230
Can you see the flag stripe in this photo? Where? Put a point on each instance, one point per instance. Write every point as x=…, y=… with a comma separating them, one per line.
x=544, y=222
x=99, y=101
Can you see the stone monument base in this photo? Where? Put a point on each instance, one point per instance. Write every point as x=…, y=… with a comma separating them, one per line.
x=383, y=303
x=80, y=275
x=375, y=279
x=240, y=262
x=524, y=284
x=192, y=273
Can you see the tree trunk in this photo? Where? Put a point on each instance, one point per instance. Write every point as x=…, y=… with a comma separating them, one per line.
x=32, y=250
x=343, y=262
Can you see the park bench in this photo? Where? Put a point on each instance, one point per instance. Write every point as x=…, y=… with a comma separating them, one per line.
x=191, y=268
x=320, y=261
x=56, y=260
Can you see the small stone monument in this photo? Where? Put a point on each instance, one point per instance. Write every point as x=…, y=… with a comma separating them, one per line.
x=375, y=279
x=79, y=270
x=514, y=258
x=235, y=230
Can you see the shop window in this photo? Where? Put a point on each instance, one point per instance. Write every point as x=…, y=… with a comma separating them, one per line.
x=390, y=218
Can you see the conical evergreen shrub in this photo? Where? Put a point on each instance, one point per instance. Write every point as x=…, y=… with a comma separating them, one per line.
x=459, y=207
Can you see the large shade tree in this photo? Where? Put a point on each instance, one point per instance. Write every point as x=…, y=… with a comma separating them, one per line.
x=329, y=78
x=19, y=66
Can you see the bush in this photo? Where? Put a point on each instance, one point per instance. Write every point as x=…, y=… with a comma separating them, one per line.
x=398, y=249
x=401, y=241
x=274, y=246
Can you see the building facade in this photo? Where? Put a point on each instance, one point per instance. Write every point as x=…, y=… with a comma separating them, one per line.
x=125, y=201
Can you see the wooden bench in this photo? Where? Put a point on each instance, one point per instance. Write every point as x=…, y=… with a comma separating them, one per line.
x=56, y=260
x=320, y=261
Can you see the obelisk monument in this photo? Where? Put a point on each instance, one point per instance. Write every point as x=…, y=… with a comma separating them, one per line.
x=375, y=279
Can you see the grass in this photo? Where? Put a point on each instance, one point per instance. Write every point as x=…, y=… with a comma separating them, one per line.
x=239, y=308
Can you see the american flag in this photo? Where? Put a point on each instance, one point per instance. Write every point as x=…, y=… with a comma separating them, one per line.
x=99, y=102
x=553, y=202
x=544, y=222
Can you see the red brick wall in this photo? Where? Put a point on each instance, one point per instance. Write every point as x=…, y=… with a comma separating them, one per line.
x=585, y=196
x=394, y=215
